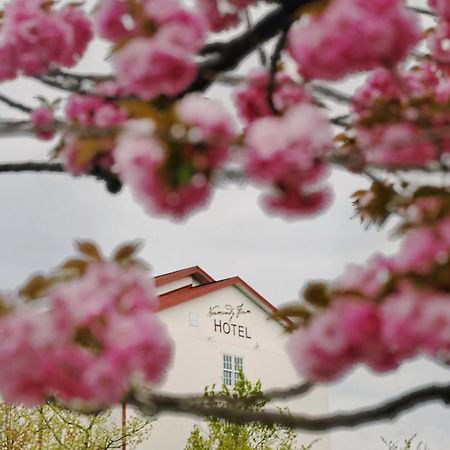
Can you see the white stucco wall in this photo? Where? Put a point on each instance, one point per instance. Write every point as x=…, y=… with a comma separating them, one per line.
x=198, y=359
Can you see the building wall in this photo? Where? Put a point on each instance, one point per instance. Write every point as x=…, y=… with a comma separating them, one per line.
x=203, y=330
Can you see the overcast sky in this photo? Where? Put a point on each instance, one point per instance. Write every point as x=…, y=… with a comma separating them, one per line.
x=43, y=214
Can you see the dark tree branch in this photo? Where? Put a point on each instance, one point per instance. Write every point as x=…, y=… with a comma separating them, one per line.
x=261, y=53
x=63, y=83
x=80, y=76
x=331, y=93
x=113, y=184
x=281, y=42
x=151, y=404
x=227, y=55
x=31, y=166
x=423, y=11
x=14, y=104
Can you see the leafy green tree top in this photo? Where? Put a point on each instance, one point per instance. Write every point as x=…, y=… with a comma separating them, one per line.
x=52, y=428
x=218, y=434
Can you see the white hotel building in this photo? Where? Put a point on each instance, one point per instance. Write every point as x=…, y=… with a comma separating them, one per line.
x=219, y=327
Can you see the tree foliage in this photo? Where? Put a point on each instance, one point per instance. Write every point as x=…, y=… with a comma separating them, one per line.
x=407, y=444
x=218, y=434
x=50, y=427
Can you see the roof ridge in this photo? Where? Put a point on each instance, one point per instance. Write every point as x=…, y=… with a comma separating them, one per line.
x=187, y=293
x=195, y=272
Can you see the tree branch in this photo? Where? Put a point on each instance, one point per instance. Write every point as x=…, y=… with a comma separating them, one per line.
x=113, y=184
x=423, y=11
x=151, y=404
x=226, y=56
x=281, y=42
x=332, y=93
x=14, y=104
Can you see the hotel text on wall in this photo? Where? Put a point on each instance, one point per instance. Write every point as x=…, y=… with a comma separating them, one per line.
x=226, y=318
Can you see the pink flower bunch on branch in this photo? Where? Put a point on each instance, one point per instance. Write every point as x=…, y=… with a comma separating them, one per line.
x=442, y=7
x=222, y=14
x=386, y=311
x=287, y=154
x=155, y=44
x=96, y=122
x=34, y=35
x=402, y=118
x=251, y=97
x=169, y=162
x=94, y=337
x=352, y=35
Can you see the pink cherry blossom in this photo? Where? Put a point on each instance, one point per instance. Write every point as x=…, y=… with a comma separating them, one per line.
x=346, y=333
x=24, y=338
x=78, y=31
x=324, y=46
x=251, y=97
x=97, y=335
x=9, y=63
x=40, y=37
x=433, y=324
x=104, y=288
x=396, y=145
x=44, y=122
x=300, y=202
x=161, y=10
x=183, y=30
x=222, y=14
x=439, y=43
x=213, y=122
x=285, y=153
x=110, y=20
x=400, y=312
x=91, y=110
x=368, y=279
x=140, y=159
x=442, y=7
x=420, y=249
x=152, y=67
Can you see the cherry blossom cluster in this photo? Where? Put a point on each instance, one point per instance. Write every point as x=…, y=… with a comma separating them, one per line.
x=402, y=118
x=43, y=121
x=169, y=163
x=442, y=7
x=389, y=309
x=91, y=341
x=89, y=148
x=324, y=46
x=34, y=35
x=251, y=97
x=156, y=41
x=222, y=14
x=287, y=154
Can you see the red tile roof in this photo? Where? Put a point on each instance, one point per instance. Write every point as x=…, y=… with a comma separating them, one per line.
x=187, y=293
x=196, y=272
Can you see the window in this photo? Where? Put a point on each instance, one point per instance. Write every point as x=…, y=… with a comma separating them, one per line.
x=194, y=319
x=231, y=366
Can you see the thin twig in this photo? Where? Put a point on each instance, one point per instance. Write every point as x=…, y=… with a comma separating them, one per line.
x=341, y=121
x=423, y=11
x=80, y=76
x=331, y=93
x=281, y=42
x=227, y=55
x=261, y=53
x=113, y=184
x=15, y=104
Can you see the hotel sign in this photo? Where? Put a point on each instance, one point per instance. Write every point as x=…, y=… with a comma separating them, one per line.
x=224, y=316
